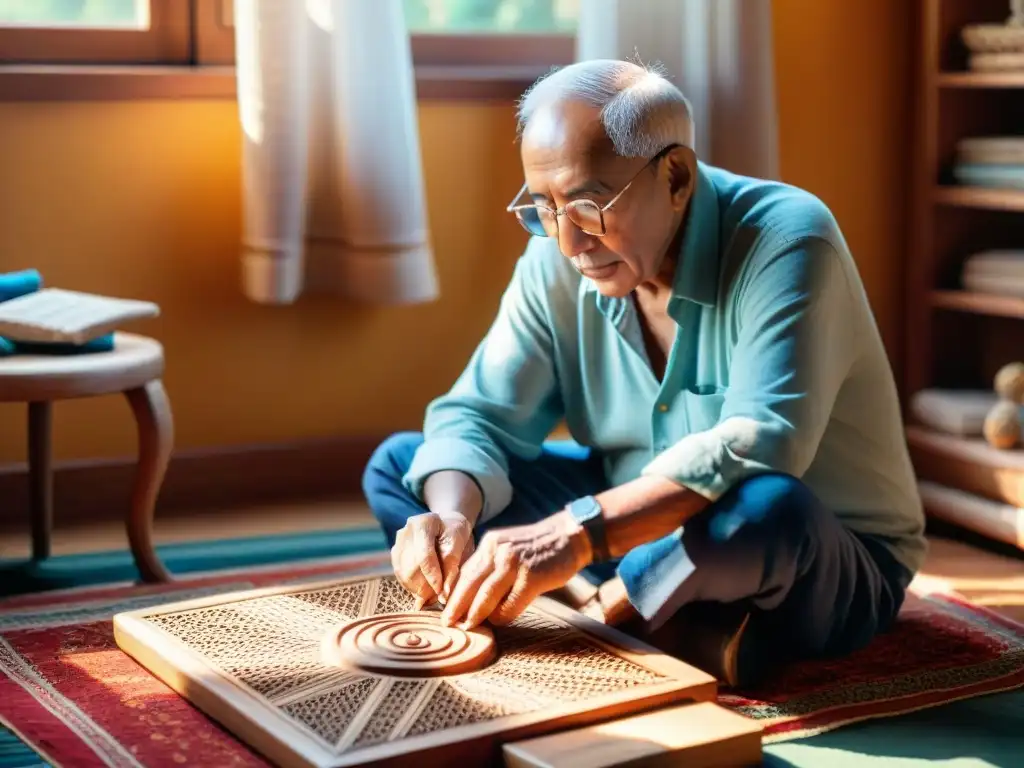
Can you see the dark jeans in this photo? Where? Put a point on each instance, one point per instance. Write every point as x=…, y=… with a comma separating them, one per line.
x=814, y=587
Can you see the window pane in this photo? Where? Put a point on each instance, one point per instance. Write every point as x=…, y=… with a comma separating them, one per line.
x=97, y=14
x=496, y=16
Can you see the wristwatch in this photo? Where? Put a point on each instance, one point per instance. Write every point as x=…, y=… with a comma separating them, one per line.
x=588, y=513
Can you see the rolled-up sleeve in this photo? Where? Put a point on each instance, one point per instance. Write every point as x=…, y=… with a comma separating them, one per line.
x=505, y=402
x=795, y=345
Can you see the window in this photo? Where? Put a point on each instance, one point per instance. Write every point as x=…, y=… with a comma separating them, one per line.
x=460, y=47
x=95, y=31
x=492, y=16
x=460, y=33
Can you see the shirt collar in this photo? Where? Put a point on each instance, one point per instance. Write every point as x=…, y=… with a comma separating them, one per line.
x=697, y=270
x=697, y=267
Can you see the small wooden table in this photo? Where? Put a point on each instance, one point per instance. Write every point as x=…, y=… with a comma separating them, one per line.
x=134, y=367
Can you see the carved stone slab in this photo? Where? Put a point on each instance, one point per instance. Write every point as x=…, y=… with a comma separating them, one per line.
x=345, y=673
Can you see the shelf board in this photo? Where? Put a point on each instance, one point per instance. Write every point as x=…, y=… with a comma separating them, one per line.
x=980, y=197
x=981, y=79
x=968, y=450
x=967, y=464
x=979, y=303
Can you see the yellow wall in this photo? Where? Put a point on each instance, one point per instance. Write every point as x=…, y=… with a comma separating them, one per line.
x=141, y=199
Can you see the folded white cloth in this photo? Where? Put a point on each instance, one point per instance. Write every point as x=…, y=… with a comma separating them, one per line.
x=959, y=412
x=57, y=315
x=999, y=272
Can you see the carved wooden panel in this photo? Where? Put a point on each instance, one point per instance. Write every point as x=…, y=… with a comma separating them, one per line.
x=344, y=673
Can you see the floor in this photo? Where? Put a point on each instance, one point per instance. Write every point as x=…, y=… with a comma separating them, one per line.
x=988, y=575
x=983, y=732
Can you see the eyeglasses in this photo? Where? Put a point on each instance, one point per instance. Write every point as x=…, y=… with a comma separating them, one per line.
x=542, y=220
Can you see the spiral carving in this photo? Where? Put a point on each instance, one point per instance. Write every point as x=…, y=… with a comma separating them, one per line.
x=413, y=644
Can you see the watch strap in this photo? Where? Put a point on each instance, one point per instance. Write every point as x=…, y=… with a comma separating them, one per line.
x=588, y=513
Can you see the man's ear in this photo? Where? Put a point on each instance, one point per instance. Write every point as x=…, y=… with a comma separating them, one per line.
x=681, y=165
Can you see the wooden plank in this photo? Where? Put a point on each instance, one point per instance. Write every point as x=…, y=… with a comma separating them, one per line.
x=993, y=519
x=980, y=197
x=979, y=303
x=981, y=80
x=698, y=735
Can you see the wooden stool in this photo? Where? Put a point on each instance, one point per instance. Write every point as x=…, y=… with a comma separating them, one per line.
x=133, y=367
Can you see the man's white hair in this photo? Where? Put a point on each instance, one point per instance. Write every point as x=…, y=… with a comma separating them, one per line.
x=642, y=112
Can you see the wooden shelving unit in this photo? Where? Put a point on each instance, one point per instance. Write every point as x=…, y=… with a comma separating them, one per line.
x=979, y=303
x=956, y=338
x=951, y=196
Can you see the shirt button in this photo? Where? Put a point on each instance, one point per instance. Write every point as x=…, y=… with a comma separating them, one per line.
x=662, y=407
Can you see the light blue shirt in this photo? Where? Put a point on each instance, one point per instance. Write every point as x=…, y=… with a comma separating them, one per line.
x=777, y=365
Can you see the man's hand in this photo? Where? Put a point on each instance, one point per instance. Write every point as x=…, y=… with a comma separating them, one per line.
x=512, y=566
x=428, y=553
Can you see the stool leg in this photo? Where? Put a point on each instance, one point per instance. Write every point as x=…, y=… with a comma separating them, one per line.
x=40, y=477
x=156, y=437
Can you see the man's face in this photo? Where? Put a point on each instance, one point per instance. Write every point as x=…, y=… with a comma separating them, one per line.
x=567, y=156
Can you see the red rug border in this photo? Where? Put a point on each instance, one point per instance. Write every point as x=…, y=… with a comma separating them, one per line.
x=55, y=746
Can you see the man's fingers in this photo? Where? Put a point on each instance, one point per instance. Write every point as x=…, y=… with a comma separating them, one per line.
x=472, y=575
x=452, y=548
x=517, y=600
x=414, y=582
x=425, y=548
x=451, y=575
x=491, y=593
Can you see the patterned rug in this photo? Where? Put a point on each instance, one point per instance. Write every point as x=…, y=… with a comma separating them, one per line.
x=69, y=692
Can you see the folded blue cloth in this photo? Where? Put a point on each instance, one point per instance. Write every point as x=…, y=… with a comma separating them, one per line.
x=15, y=284
x=99, y=344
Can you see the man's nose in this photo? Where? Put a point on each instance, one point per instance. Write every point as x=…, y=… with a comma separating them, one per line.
x=573, y=241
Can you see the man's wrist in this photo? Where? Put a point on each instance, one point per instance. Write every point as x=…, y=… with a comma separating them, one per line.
x=589, y=515
x=579, y=541
x=454, y=514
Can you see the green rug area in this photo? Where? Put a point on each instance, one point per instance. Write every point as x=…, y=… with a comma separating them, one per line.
x=24, y=576
x=985, y=732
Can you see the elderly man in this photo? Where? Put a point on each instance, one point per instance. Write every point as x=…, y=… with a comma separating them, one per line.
x=739, y=483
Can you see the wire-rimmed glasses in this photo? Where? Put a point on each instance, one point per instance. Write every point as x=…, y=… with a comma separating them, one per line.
x=542, y=220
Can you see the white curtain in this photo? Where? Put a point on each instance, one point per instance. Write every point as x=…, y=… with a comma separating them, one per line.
x=332, y=183
x=719, y=53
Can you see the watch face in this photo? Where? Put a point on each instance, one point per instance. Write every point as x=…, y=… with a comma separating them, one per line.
x=585, y=508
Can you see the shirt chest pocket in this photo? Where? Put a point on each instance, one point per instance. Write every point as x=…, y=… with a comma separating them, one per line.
x=703, y=408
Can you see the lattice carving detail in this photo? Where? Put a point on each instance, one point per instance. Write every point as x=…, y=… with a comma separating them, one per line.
x=329, y=714
x=397, y=701
x=343, y=601
x=392, y=597
x=271, y=644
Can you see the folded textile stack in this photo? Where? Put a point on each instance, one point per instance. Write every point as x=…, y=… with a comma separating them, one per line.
x=990, y=161
x=959, y=412
x=37, y=321
x=996, y=272
x=997, y=47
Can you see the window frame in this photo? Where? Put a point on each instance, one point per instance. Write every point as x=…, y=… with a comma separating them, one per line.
x=197, y=50
x=216, y=45
x=168, y=40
